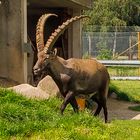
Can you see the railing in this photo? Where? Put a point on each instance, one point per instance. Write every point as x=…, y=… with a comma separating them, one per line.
x=123, y=63
x=131, y=63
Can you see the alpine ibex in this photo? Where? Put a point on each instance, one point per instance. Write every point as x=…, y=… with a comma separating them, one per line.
x=73, y=76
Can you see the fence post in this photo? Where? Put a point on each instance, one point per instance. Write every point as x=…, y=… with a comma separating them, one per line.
x=139, y=49
x=138, y=45
x=89, y=48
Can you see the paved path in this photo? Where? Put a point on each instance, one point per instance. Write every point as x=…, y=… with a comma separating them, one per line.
x=119, y=110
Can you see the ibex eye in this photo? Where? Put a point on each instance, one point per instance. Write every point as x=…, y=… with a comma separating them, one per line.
x=47, y=56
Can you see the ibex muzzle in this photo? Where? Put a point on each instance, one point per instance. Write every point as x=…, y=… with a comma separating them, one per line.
x=40, y=64
x=73, y=76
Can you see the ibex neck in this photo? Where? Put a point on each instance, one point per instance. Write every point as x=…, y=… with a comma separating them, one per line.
x=58, y=67
x=59, y=64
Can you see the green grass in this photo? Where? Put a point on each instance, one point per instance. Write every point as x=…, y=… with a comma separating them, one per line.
x=22, y=118
x=126, y=90
x=135, y=108
x=124, y=71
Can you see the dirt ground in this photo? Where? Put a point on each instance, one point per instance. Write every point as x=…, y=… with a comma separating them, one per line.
x=116, y=109
x=7, y=82
x=119, y=110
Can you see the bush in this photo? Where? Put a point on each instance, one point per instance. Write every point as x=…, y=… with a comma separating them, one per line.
x=104, y=52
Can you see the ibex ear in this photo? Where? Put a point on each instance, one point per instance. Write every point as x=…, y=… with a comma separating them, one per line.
x=55, y=51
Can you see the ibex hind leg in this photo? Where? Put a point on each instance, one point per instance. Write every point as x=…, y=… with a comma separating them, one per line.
x=103, y=98
x=99, y=107
x=101, y=101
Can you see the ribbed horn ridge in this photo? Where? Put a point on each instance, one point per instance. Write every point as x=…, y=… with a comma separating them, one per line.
x=40, y=31
x=55, y=35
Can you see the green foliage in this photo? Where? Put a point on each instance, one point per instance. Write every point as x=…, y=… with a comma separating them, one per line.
x=104, y=52
x=22, y=118
x=107, y=13
x=86, y=56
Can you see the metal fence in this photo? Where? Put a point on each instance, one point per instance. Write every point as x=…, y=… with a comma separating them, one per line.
x=123, y=69
x=117, y=50
x=108, y=45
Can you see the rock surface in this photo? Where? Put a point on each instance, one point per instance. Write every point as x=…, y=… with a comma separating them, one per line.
x=46, y=88
x=30, y=91
x=48, y=85
x=137, y=117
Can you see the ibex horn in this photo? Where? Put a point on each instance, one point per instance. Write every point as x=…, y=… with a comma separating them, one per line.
x=55, y=35
x=40, y=31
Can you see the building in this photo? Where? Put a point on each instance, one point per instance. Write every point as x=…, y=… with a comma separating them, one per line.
x=18, y=19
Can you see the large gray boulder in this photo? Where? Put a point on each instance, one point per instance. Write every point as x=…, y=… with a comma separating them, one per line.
x=30, y=91
x=48, y=85
x=137, y=117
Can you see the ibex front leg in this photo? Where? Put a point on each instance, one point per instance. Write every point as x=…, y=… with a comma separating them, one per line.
x=74, y=104
x=67, y=100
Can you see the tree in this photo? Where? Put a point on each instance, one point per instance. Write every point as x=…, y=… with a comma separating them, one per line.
x=113, y=16
x=107, y=13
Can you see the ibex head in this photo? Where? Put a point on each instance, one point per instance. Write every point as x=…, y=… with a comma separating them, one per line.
x=43, y=61
x=45, y=52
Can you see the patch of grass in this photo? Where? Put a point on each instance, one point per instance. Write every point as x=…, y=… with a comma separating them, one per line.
x=135, y=108
x=117, y=130
x=123, y=71
x=22, y=118
x=126, y=90
x=124, y=130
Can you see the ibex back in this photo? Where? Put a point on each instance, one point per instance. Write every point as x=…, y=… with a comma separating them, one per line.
x=73, y=76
